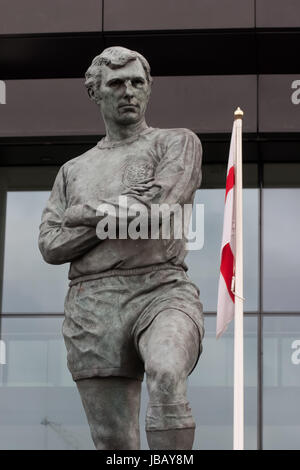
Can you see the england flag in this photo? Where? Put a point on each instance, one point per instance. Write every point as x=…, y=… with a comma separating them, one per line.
x=225, y=309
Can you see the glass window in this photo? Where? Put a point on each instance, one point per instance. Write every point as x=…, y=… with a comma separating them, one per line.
x=281, y=379
x=281, y=255
x=30, y=285
x=204, y=264
x=40, y=406
x=211, y=387
x=35, y=352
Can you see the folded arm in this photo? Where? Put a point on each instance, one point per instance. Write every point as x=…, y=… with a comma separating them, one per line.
x=58, y=243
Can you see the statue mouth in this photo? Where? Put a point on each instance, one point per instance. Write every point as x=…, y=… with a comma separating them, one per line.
x=128, y=105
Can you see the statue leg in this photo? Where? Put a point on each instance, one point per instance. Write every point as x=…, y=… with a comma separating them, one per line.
x=112, y=406
x=170, y=349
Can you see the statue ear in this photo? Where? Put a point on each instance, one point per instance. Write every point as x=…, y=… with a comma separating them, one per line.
x=93, y=95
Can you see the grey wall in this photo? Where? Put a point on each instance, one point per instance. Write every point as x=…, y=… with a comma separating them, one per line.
x=204, y=104
x=62, y=107
x=177, y=14
x=48, y=107
x=279, y=103
x=277, y=13
x=45, y=16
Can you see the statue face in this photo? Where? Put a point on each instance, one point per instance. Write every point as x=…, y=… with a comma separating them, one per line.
x=124, y=93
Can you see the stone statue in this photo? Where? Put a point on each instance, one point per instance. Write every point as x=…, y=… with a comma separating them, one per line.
x=130, y=307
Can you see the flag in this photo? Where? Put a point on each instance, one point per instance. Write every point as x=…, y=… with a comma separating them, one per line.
x=226, y=300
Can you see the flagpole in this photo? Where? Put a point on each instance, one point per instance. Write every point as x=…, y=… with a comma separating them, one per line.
x=238, y=394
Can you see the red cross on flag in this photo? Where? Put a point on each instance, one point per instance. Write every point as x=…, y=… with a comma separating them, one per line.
x=225, y=309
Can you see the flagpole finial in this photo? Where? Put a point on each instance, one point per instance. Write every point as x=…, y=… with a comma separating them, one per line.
x=238, y=113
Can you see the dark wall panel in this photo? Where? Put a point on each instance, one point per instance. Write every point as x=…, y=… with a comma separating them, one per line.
x=48, y=107
x=50, y=16
x=189, y=52
x=62, y=107
x=277, y=13
x=203, y=104
x=136, y=15
x=279, y=103
x=192, y=52
x=48, y=56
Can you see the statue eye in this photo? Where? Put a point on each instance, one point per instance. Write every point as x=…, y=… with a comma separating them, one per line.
x=115, y=83
x=138, y=82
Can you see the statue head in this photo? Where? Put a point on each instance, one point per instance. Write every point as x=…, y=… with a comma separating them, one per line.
x=119, y=81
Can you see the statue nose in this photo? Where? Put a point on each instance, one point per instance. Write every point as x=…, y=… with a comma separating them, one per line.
x=128, y=88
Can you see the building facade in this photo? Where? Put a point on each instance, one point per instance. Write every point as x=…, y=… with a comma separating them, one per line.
x=207, y=58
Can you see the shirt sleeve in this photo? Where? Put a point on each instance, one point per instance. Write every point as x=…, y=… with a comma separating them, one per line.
x=59, y=244
x=177, y=176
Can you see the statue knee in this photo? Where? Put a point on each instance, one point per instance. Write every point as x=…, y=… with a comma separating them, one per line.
x=165, y=384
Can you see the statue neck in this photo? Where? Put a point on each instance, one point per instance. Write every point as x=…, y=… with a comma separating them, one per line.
x=116, y=133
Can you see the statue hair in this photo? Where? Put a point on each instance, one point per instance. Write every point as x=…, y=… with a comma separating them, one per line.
x=114, y=58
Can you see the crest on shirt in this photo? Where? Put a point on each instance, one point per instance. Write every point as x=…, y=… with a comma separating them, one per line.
x=137, y=170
